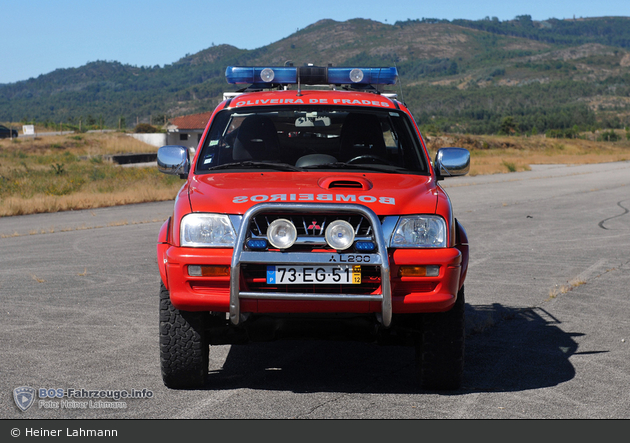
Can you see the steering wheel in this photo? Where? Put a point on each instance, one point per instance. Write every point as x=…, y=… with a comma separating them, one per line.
x=374, y=158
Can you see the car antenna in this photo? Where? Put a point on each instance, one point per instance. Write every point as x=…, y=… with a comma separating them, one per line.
x=402, y=97
x=286, y=64
x=299, y=86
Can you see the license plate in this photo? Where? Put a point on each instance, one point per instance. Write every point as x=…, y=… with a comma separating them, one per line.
x=287, y=275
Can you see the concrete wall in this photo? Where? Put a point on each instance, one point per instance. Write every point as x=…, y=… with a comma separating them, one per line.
x=151, y=139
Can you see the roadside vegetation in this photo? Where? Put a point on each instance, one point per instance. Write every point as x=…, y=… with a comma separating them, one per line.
x=69, y=172
x=66, y=172
x=503, y=154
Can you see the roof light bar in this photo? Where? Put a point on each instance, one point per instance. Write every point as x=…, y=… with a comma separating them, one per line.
x=310, y=75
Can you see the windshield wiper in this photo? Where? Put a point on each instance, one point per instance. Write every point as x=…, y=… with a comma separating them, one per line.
x=255, y=164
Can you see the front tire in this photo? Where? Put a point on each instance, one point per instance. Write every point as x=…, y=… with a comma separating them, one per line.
x=440, y=347
x=184, y=345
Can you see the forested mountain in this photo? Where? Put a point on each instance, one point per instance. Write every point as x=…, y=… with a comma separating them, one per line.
x=482, y=76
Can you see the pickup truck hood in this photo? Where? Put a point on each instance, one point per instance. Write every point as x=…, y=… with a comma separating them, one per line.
x=385, y=194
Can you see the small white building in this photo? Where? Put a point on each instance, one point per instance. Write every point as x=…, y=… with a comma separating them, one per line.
x=187, y=130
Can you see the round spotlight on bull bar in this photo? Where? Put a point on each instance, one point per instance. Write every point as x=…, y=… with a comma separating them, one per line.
x=340, y=235
x=281, y=233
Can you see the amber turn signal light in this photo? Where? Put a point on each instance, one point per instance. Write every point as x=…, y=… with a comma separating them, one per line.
x=419, y=271
x=208, y=271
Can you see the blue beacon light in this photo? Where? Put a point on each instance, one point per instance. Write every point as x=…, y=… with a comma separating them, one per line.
x=362, y=76
x=260, y=75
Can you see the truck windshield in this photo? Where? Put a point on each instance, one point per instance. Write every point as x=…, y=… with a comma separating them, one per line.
x=301, y=138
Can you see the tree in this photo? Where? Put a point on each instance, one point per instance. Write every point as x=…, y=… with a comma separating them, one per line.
x=453, y=69
x=508, y=125
x=525, y=20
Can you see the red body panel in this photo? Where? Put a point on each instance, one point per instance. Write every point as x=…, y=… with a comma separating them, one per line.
x=235, y=193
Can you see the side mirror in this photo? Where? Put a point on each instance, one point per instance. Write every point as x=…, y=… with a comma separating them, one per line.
x=173, y=160
x=451, y=162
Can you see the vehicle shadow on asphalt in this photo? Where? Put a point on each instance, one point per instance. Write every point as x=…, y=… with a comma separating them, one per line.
x=515, y=349
x=507, y=349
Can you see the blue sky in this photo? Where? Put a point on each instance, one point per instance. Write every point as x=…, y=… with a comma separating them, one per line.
x=39, y=36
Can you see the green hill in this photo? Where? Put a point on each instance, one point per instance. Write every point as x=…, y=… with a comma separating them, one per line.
x=484, y=76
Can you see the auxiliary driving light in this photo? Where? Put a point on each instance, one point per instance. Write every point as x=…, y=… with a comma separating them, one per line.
x=340, y=235
x=281, y=233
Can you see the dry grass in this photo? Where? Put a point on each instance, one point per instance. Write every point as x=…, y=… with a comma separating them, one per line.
x=565, y=289
x=84, y=200
x=495, y=154
x=64, y=172
x=88, y=144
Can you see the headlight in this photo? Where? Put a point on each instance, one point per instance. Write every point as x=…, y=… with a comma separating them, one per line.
x=420, y=231
x=207, y=230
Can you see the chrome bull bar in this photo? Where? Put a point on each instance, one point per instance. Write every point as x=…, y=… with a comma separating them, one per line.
x=287, y=258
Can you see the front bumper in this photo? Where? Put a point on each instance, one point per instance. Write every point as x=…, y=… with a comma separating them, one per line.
x=239, y=294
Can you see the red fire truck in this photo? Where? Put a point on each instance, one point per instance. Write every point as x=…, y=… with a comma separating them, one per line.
x=311, y=208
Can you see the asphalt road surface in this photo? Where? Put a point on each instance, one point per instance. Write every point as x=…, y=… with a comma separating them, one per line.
x=548, y=334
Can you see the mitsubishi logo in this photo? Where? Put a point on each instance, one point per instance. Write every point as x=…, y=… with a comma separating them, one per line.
x=314, y=225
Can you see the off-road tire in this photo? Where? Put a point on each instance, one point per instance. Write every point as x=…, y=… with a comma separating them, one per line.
x=440, y=347
x=184, y=345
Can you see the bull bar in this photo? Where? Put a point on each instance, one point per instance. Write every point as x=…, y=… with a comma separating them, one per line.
x=380, y=258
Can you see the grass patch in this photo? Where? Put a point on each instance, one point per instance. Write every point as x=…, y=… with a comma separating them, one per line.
x=510, y=166
x=59, y=173
x=502, y=154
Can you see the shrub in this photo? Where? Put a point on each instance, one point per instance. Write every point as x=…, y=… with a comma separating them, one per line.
x=58, y=168
x=562, y=133
x=145, y=128
x=511, y=167
x=608, y=136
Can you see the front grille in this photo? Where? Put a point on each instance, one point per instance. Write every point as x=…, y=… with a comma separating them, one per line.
x=310, y=224
x=311, y=228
